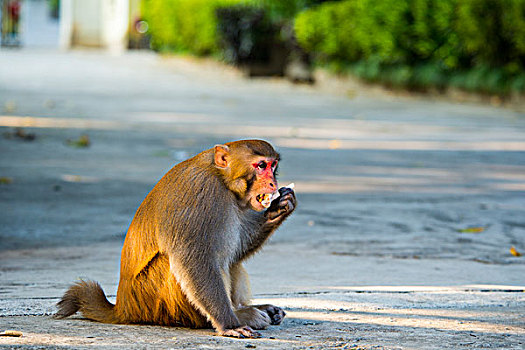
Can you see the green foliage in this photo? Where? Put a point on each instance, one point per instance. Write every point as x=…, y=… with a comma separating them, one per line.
x=183, y=25
x=477, y=45
x=427, y=34
x=282, y=10
x=492, y=31
x=191, y=25
x=350, y=30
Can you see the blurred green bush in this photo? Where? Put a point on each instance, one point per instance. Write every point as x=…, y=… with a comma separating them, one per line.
x=477, y=45
x=184, y=25
x=191, y=25
x=284, y=10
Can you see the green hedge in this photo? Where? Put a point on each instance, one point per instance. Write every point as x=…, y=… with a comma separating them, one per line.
x=183, y=25
x=284, y=10
x=476, y=45
x=191, y=25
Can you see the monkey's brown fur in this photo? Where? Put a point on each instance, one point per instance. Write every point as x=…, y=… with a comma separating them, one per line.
x=181, y=263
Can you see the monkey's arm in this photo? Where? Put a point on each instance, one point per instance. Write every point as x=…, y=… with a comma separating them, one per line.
x=266, y=223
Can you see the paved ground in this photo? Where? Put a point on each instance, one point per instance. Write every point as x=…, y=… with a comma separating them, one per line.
x=373, y=258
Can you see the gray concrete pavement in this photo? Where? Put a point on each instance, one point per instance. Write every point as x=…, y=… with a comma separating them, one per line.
x=373, y=256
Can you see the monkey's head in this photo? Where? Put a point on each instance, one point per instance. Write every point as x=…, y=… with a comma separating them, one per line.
x=249, y=170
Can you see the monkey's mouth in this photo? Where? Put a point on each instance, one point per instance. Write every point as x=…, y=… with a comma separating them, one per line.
x=266, y=198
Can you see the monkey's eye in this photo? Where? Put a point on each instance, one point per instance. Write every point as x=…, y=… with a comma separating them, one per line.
x=262, y=165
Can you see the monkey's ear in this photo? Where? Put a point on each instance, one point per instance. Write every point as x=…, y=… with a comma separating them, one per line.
x=222, y=153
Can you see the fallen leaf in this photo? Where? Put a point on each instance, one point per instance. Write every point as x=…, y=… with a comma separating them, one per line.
x=514, y=252
x=5, y=180
x=82, y=142
x=472, y=229
x=10, y=333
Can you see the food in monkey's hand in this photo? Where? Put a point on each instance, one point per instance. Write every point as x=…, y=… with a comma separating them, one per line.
x=268, y=198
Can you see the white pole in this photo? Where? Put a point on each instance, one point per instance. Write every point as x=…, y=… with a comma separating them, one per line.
x=65, y=32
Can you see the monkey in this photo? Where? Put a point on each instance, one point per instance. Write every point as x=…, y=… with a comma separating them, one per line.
x=182, y=258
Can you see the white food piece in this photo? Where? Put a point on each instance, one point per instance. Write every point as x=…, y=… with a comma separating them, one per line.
x=276, y=194
x=268, y=198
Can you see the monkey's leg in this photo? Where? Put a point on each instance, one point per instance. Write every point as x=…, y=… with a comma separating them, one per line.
x=203, y=284
x=241, y=293
x=241, y=297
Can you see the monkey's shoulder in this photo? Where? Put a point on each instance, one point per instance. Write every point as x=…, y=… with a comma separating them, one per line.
x=190, y=190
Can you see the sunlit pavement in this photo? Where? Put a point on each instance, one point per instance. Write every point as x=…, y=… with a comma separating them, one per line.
x=407, y=211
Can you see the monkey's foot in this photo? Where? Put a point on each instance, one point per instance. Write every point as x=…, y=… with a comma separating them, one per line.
x=241, y=332
x=253, y=317
x=276, y=313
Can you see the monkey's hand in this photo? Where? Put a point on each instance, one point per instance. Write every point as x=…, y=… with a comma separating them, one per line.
x=282, y=206
x=241, y=332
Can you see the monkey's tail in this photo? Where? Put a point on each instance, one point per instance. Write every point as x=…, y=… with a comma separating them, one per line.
x=88, y=298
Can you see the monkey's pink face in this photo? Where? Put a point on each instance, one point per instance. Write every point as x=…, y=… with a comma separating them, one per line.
x=265, y=183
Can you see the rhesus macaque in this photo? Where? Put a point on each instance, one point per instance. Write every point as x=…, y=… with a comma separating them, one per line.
x=181, y=263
